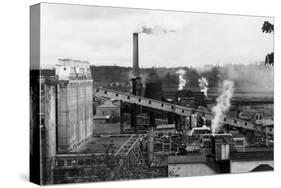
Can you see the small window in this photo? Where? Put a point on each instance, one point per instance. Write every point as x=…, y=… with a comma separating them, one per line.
x=224, y=119
x=246, y=124
x=235, y=121
x=116, y=94
x=105, y=92
x=182, y=111
x=60, y=162
x=128, y=97
x=69, y=162
x=162, y=105
x=149, y=102
x=172, y=107
x=139, y=100
x=97, y=90
x=64, y=68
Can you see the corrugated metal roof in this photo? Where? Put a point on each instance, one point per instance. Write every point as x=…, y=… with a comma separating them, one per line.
x=251, y=155
x=186, y=159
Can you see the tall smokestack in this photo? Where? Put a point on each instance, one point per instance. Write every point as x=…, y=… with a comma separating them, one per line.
x=136, y=54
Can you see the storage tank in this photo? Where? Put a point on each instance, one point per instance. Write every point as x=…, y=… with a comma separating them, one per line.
x=153, y=87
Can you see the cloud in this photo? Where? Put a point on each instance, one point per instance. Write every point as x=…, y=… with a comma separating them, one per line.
x=103, y=36
x=68, y=12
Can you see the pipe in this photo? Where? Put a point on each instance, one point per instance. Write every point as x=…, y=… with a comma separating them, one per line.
x=150, y=146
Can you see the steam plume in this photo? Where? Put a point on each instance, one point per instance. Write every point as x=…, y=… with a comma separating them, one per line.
x=182, y=81
x=250, y=78
x=223, y=104
x=203, y=84
x=155, y=30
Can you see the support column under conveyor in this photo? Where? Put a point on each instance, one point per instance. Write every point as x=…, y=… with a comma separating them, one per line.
x=177, y=122
x=121, y=118
x=136, y=90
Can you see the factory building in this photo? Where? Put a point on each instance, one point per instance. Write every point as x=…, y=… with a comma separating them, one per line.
x=107, y=112
x=108, y=108
x=42, y=129
x=71, y=107
x=170, y=85
x=69, y=69
x=254, y=159
x=48, y=128
x=62, y=114
x=74, y=103
x=74, y=113
x=182, y=166
x=66, y=112
x=153, y=87
x=169, y=149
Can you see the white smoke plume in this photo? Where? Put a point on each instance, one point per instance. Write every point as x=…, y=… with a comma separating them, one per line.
x=182, y=81
x=223, y=104
x=203, y=84
x=155, y=30
x=250, y=78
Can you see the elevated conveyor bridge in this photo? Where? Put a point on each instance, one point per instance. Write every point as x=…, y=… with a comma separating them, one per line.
x=179, y=110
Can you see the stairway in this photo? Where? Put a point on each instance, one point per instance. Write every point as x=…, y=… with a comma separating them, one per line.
x=125, y=149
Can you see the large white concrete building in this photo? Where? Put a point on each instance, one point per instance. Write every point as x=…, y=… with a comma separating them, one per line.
x=68, y=69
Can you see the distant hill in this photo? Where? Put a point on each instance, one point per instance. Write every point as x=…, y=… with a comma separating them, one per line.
x=252, y=77
x=109, y=74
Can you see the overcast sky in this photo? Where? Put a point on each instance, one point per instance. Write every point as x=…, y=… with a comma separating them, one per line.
x=103, y=36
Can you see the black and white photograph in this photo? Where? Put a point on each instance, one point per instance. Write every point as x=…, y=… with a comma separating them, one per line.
x=128, y=93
